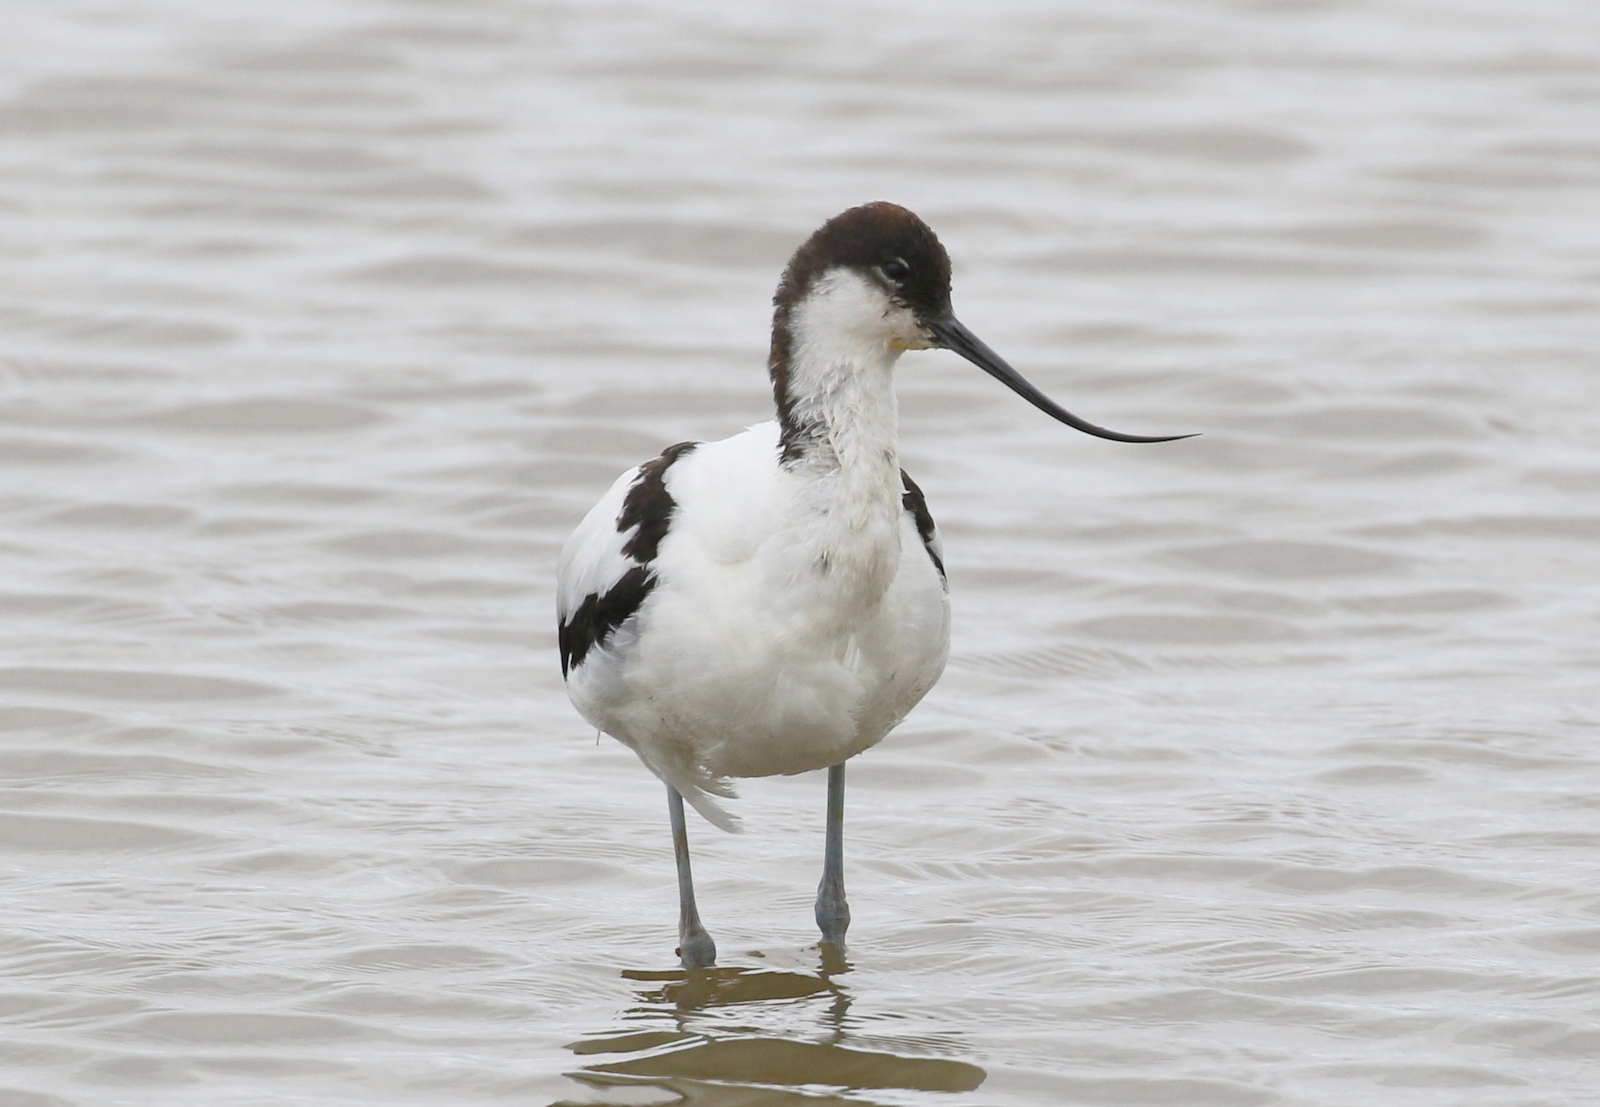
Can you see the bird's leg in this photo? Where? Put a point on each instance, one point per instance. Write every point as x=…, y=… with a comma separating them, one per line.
x=695, y=948
x=833, y=913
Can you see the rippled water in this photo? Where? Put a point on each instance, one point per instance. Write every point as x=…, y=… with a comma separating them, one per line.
x=1265, y=769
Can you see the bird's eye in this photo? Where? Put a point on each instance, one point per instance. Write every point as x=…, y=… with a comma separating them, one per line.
x=896, y=270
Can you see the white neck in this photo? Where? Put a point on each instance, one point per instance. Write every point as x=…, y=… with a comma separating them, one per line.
x=843, y=343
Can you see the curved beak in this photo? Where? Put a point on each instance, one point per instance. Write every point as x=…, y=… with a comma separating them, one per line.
x=953, y=336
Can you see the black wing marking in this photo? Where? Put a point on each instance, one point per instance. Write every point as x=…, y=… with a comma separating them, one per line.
x=918, y=506
x=649, y=507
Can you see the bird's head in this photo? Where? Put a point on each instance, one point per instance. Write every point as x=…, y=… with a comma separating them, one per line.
x=880, y=275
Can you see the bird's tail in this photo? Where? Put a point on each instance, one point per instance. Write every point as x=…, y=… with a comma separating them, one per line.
x=698, y=798
x=696, y=786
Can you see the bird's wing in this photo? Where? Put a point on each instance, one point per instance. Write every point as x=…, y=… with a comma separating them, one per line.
x=917, y=507
x=592, y=562
x=605, y=570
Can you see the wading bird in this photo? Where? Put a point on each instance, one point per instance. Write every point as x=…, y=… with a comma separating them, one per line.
x=776, y=602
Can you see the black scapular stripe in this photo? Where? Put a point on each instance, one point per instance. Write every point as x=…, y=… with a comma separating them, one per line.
x=918, y=506
x=598, y=615
x=649, y=507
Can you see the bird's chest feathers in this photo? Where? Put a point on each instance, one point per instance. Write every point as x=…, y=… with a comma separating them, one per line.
x=845, y=487
x=850, y=550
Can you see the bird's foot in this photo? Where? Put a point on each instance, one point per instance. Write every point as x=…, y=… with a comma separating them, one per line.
x=833, y=919
x=695, y=949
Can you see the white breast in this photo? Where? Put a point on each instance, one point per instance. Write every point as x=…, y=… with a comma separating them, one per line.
x=752, y=656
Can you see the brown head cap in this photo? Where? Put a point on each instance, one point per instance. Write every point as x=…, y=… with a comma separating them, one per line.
x=883, y=240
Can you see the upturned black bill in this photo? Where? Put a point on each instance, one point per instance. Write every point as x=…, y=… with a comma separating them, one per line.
x=953, y=336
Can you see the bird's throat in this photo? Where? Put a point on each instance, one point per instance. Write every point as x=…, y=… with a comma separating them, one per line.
x=840, y=440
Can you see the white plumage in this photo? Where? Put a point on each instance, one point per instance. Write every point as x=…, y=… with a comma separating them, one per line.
x=775, y=602
x=746, y=658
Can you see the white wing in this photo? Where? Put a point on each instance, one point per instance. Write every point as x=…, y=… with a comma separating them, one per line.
x=592, y=561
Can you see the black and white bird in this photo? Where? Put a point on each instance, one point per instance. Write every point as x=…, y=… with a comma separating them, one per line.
x=776, y=602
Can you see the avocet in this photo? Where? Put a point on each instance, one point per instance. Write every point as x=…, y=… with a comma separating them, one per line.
x=776, y=602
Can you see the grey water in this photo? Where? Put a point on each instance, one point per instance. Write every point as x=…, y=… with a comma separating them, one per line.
x=1267, y=766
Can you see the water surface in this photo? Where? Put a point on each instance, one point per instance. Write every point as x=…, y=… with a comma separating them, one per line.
x=1265, y=768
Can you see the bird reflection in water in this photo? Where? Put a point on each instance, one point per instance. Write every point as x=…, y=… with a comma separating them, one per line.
x=705, y=1048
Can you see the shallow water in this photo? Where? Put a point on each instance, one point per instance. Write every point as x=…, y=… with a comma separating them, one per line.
x=1265, y=768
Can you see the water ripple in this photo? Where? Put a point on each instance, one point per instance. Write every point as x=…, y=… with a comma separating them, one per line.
x=1264, y=770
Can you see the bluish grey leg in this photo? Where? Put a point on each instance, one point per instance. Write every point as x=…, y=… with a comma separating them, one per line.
x=833, y=913
x=695, y=948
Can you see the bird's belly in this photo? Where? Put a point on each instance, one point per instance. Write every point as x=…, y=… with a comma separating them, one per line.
x=742, y=696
